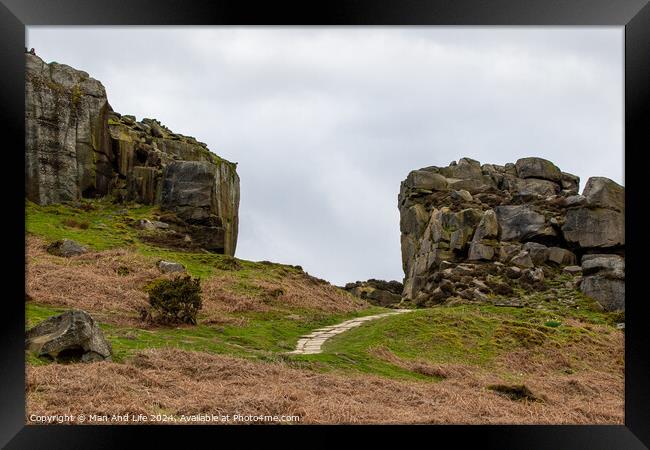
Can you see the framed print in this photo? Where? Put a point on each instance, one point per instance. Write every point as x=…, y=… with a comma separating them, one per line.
x=361, y=216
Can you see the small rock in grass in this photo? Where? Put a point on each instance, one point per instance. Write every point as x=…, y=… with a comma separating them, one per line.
x=146, y=224
x=169, y=266
x=66, y=248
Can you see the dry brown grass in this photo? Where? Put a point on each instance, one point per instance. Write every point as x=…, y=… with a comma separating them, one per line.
x=580, y=383
x=90, y=281
x=305, y=292
x=179, y=382
x=293, y=291
x=423, y=367
x=97, y=282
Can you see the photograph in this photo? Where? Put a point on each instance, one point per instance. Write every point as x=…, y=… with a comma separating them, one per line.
x=324, y=225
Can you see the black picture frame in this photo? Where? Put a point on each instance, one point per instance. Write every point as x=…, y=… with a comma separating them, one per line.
x=634, y=15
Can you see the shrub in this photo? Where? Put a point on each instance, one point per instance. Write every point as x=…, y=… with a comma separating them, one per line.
x=228, y=263
x=173, y=301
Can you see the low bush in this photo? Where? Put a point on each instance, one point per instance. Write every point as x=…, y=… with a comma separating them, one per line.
x=173, y=301
x=228, y=263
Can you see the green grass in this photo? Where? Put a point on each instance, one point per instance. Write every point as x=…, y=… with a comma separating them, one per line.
x=466, y=334
x=262, y=336
x=37, y=313
x=111, y=226
x=108, y=225
x=472, y=335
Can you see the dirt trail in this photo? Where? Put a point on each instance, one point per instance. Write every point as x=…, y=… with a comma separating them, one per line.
x=312, y=342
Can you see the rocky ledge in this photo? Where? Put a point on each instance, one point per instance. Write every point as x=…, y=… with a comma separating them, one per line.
x=468, y=230
x=78, y=147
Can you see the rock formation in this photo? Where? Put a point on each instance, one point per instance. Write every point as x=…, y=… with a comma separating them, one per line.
x=518, y=218
x=66, y=248
x=71, y=336
x=377, y=292
x=78, y=147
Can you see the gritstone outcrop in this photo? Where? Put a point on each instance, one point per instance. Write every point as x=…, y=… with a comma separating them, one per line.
x=78, y=147
x=519, y=218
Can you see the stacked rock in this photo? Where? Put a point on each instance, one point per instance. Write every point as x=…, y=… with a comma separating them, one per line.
x=520, y=217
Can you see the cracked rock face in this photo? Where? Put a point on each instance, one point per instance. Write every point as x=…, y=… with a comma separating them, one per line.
x=78, y=147
x=67, y=147
x=525, y=215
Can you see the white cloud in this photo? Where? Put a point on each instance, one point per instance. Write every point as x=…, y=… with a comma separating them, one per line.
x=325, y=122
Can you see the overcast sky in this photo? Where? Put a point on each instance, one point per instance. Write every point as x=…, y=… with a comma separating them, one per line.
x=325, y=122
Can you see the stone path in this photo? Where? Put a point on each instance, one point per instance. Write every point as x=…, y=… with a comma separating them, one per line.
x=312, y=342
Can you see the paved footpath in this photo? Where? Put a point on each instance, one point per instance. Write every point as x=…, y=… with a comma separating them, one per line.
x=312, y=342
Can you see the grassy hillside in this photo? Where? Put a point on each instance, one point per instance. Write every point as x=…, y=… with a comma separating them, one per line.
x=252, y=309
x=559, y=344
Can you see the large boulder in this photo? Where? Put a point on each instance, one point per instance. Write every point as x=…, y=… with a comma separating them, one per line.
x=594, y=228
x=66, y=248
x=483, y=242
x=465, y=169
x=533, y=186
x=508, y=250
x=422, y=179
x=538, y=168
x=575, y=200
x=570, y=183
x=612, y=266
x=377, y=292
x=539, y=253
x=604, y=280
x=380, y=297
x=523, y=260
x=71, y=336
x=480, y=250
x=608, y=292
x=561, y=256
x=601, y=192
x=488, y=227
x=471, y=185
x=521, y=222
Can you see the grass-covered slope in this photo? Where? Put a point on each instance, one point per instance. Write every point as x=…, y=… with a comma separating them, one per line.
x=250, y=308
x=435, y=365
